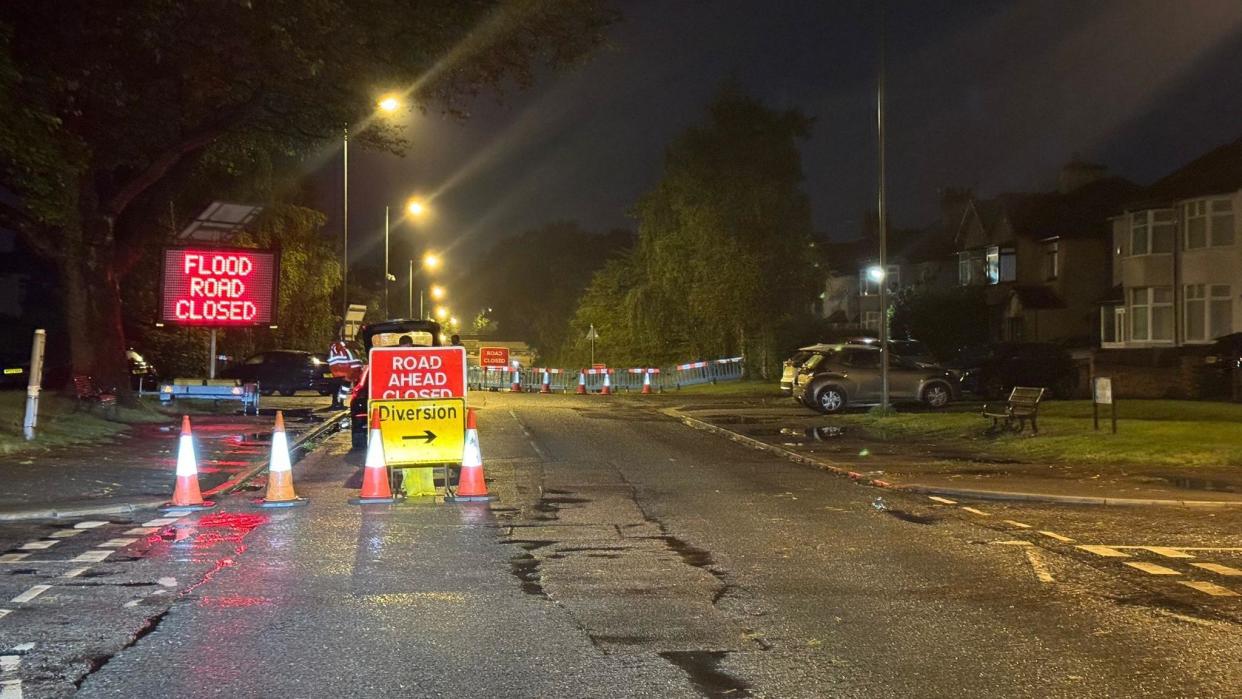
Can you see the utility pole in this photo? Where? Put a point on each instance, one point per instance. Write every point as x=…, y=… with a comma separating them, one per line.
x=345, y=229
x=883, y=224
x=386, y=313
x=410, y=307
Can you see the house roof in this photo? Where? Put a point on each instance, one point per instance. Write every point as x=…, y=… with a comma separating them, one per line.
x=1081, y=213
x=1218, y=171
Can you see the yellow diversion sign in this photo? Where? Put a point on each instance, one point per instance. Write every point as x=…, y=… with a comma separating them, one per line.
x=422, y=431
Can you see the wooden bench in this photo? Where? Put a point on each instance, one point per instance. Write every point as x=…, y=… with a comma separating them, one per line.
x=1021, y=408
x=88, y=393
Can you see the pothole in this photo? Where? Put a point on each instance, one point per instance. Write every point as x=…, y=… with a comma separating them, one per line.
x=703, y=669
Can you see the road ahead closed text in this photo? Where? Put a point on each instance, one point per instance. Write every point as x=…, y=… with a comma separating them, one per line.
x=417, y=372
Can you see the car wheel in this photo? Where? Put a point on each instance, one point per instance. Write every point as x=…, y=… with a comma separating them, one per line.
x=288, y=391
x=323, y=392
x=267, y=391
x=829, y=399
x=936, y=395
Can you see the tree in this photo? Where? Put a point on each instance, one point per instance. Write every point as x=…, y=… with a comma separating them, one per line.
x=115, y=97
x=943, y=319
x=723, y=261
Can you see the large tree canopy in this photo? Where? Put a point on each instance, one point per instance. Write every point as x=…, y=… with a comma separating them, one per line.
x=110, y=98
x=723, y=263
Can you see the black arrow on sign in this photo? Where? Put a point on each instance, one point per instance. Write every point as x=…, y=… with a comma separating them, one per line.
x=427, y=435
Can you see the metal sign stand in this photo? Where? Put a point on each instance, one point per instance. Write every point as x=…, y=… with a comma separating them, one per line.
x=1102, y=394
x=34, y=385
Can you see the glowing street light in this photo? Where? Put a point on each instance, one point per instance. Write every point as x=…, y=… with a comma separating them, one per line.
x=389, y=103
x=442, y=312
x=437, y=292
x=875, y=273
x=415, y=207
x=431, y=260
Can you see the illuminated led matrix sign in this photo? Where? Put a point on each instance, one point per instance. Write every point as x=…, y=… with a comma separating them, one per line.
x=217, y=287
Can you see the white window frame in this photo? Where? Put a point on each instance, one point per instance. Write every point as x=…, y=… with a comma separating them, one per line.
x=1113, y=317
x=1218, y=218
x=1147, y=221
x=1050, y=250
x=1146, y=312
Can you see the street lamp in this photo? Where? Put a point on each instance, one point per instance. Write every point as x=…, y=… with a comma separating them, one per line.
x=441, y=312
x=437, y=292
x=414, y=208
x=430, y=262
x=387, y=104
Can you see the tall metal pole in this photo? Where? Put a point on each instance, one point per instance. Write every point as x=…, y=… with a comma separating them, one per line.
x=345, y=229
x=35, y=384
x=410, y=308
x=883, y=224
x=386, y=313
x=211, y=358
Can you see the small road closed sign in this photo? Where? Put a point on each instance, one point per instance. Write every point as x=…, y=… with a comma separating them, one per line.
x=493, y=356
x=418, y=432
x=417, y=372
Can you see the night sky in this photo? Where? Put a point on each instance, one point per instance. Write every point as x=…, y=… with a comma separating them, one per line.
x=994, y=95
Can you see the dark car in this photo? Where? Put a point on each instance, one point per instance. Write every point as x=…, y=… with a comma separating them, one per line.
x=992, y=371
x=1225, y=353
x=285, y=372
x=389, y=333
x=848, y=374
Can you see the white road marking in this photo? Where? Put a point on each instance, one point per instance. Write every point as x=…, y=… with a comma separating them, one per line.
x=1168, y=552
x=23, y=647
x=92, y=557
x=1019, y=525
x=66, y=533
x=88, y=525
x=12, y=557
x=1210, y=588
x=1037, y=564
x=140, y=530
x=5, y=612
x=37, y=545
x=1104, y=551
x=161, y=522
x=116, y=543
x=75, y=572
x=1151, y=568
x=942, y=500
x=1218, y=568
x=973, y=511
x=1015, y=542
x=1180, y=548
x=1058, y=537
x=9, y=663
x=167, y=582
x=11, y=689
x=30, y=594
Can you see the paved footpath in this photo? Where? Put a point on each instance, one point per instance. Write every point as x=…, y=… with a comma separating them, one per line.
x=627, y=555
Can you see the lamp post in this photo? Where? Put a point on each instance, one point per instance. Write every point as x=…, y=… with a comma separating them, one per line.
x=431, y=261
x=883, y=225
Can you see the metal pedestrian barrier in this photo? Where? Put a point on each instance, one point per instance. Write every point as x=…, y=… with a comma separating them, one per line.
x=708, y=371
x=632, y=380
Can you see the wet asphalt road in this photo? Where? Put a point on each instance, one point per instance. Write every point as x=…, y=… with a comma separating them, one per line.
x=628, y=555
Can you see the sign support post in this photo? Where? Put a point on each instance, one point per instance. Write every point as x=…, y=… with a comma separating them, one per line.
x=1102, y=394
x=211, y=356
x=35, y=384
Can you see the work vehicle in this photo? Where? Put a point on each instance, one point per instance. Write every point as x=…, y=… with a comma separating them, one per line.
x=842, y=375
x=789, y=369
x=992, y=371
x=285, y=372
x=388, y=333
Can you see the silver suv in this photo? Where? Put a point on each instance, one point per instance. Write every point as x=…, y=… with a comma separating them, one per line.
x=842, y=375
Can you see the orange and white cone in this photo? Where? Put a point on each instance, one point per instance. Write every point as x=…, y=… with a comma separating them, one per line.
x=517, y=382
x=375, y=485
x=471, y=485
x=581, y=384
x=607, y=389
x=280, y=471
x=646, y=382
x=547, y=382
x=186, y=495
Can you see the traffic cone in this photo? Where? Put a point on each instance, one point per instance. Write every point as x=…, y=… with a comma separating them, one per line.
x=607, y=389
x=646, y=382
x=517, y=382
x=547, y=382
x=581, y=384
x=471, y=485
x=186, y=495
x=375, y=486
x=280, y=471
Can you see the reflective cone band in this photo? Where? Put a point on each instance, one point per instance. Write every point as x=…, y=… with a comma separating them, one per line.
x=517, y=382
x=280, y=470
x=471, y=484
x=581, y=383
x=547, y=382
x=607, y=389
x=646, y=382
x=186, y=494
x=375, y=485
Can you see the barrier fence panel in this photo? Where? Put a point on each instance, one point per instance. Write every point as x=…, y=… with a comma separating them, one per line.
x=707, y=371
x=621, y=380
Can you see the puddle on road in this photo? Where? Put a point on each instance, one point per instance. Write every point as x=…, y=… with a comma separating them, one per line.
x=703, y=668
x=525, y=568
x=1206, y=484
x=823, y=433
x=912, y=518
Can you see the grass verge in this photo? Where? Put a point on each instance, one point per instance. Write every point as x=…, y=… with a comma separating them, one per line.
x=61, y=425
x=1149, y=433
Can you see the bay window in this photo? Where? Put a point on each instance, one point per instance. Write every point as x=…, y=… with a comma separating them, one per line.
x=1152, y=232
x=1151, y=314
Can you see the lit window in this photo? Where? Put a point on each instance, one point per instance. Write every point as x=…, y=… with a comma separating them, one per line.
x=1052, y=263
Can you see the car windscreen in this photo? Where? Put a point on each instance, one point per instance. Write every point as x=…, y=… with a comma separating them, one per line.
x=417, y=338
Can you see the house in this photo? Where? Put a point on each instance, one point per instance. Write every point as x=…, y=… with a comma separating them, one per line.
x=1042, y=256
x=1177, y=262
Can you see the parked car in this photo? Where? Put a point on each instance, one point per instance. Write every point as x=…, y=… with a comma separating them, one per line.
x=1225, y=353
x=389, y=333
x=843, y=375
x=992, y=371
x=285, y=372
x=913, y=350
x=790, y=367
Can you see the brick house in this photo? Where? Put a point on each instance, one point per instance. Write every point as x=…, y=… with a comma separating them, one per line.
x=1042, y=256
